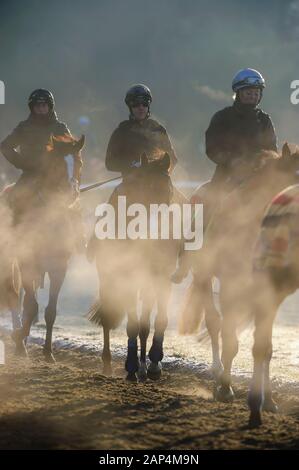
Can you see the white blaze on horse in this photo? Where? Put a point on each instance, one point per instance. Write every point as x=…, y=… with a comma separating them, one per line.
x=129, y=268
x=43, y=233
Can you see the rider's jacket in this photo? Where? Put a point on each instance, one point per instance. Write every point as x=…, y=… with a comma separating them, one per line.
x=32, y=136
x=131, y=139
x=238, y=131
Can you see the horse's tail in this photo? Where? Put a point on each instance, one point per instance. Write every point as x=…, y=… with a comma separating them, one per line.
x=105, y=316
x=192, y=310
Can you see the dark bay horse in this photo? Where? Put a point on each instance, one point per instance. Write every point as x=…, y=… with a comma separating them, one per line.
x=131, y=267
x=275, y=276
x=42, y=208
x=227, y=253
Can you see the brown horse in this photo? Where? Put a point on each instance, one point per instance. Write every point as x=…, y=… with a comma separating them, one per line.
x=42, y=205
x=275, y=276
x=131, y=267
x=9, y=273
x=229, y=241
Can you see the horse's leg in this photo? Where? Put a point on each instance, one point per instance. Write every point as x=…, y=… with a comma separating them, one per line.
x=30, y=309
x=268, y=404
x=14, y=305
x=161, y=322
x=213, y=323
x=56, y=277
x=106, y=354
x=260, y=394
x=143, y=336
x=224, y=391
x=132, y=362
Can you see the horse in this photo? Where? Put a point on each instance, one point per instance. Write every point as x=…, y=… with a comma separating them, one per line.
x=275, y=276
x=229, y=240
x=128, y=268
x=42, y=209
x=10, y=282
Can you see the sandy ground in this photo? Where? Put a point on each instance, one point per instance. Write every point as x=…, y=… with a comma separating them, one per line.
x=71, y=405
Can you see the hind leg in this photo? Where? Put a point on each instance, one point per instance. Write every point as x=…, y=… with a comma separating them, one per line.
x=229, y=307
x=213, y=323
x=143, y=336
x=260, y=393
x=106, y=354
x=161, y=322
x=132, y=361
x=56, y=277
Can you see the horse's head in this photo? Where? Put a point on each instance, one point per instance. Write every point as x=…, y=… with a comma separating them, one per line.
x=55, y=167
x=64, y=145
x=150, y=182
x=288, y=164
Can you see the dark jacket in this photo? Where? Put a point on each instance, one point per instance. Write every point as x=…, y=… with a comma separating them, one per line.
x=131, y=139
x=238, y=132
x=32, y=136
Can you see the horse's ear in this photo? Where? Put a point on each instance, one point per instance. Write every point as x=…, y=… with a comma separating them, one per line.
x=144, y=159
x=80, y=143
x=165, y=162
x=50, y=144
x=286, y=151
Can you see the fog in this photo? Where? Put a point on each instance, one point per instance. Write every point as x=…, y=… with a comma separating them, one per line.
x=88, y=53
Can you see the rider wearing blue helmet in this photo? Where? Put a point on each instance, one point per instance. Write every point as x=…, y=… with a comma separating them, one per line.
x=236, y=134
x=240, y=131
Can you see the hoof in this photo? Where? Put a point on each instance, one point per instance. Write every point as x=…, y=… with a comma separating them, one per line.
x=21, y=350
x=132, y=377
x=255, y=420
x=49, y=358
x=224, y=394
x=107, y=370
x=18, y=337
x=270, y=405
x=154, y=370
x=142, y=372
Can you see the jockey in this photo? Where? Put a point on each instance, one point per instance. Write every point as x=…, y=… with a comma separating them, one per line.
x=241, y=131
x=236, y=134
x=137, y=135
x=33, y=134
x=27, y=142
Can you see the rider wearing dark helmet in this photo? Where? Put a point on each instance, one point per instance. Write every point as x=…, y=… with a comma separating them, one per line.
x=137, y=135
x=24, y=147
x=133, y=137
x=241, y=131
x=33, y=134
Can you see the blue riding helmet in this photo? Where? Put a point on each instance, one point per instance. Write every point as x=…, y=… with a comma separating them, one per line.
x=247, y=78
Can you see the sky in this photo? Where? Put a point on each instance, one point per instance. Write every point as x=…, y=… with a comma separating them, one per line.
x=88, y=53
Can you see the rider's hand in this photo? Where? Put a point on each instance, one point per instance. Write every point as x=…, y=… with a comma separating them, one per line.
x=135, y=164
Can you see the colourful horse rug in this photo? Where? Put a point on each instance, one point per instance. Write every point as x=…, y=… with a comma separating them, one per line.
x=278, y=242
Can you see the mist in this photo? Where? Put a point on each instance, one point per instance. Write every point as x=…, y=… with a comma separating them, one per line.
x=89, y=53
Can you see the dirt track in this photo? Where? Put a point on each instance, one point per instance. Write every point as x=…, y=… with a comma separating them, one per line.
x=70, y=405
